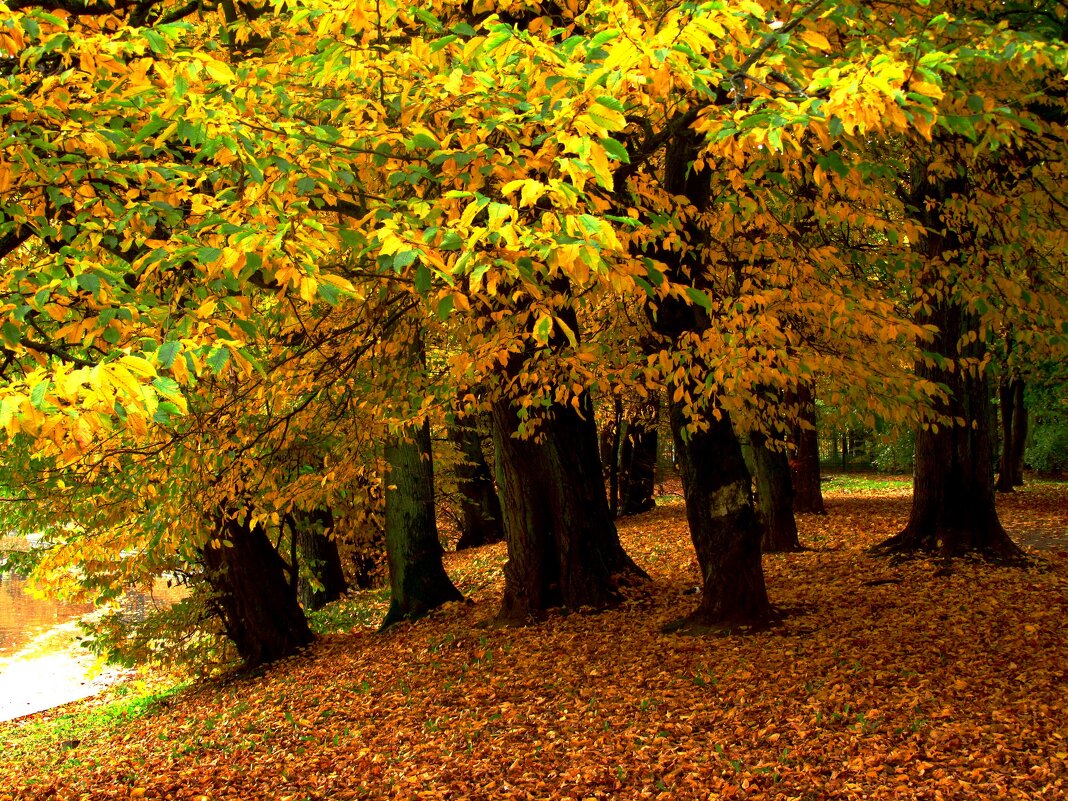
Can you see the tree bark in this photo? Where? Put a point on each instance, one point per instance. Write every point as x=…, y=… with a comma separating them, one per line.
x=417, y=579
x=563, y=549
x=723, y=526
x=637, y=461
x=775, y=497
x=322, y=579
x=719, y=504
x=258, y=606
x=480, y=508
x=808, y=494
x=953, y=510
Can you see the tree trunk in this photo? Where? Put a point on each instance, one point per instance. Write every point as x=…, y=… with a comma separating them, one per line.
x=258, y=606
x=609, y=437
x=808, y=495
x=563, y=549
x=417, y=579
x=1019, y=434
x=723, y=526
x=322, y=579
x=953, y=509
x=1013, y=434
x=480, y=508
x=637, y=461
x=775, y=497
x=719, y=504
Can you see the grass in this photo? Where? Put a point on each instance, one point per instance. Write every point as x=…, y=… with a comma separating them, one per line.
x=59, y=732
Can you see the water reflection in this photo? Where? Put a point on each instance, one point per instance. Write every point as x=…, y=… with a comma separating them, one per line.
x=41, y=663
x=23, y=617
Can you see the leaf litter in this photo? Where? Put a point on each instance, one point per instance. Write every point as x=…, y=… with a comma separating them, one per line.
x=886, y=680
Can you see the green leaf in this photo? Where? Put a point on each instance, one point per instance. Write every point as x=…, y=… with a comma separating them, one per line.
x=11, y=333
x=217, y=359
x=699, y=297
x=167, y=387
x=328, y=292
x=404, y=258
x=422, y=279
x=208, y=255
x=610, y=102
x=423, y=140
x=616, y=150
x=37, y=394
x=166, y=353
x=444, y=308
x=543, y=328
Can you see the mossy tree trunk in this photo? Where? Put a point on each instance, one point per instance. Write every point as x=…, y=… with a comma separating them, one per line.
x=716, y=483
x=417, y=578
x=723, y=526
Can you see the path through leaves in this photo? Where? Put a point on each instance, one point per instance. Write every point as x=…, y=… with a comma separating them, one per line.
x=885, y=681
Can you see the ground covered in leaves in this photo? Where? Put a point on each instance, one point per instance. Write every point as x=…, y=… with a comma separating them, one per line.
x=908, y=680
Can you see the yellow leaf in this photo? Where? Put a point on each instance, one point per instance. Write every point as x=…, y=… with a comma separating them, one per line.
x=816, y=39
x=219, y=71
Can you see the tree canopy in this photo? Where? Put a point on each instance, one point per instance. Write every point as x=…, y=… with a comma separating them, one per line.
x=222, y=227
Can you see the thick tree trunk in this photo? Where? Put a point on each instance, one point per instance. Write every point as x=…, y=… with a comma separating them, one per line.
x=417, y=579
x=719, y=504
x=723, y=526
x=808, y=495
x=953, y=509
x=775, y=497
x=258, y=606
x=322, y=579
x=563, y=549
x=480, y=508
x=637, y=461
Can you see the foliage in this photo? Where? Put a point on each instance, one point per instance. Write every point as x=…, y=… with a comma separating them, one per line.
x=875, y=664
x=220, y=229
x=1047, y=441
x=894, y=455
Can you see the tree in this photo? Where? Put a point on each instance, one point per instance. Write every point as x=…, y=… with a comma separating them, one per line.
x=418, y=581
x=257, y=605
x=480, y=508
x=563, y=549
x=967, y=258
x=321, y=577
x=1013, y=434
x=775, y=495
x=637, y=459
x=805, y=469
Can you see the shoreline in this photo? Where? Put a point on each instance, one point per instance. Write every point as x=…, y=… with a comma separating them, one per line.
x=50, y=671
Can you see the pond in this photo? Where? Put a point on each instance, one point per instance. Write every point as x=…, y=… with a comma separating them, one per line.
x=41, y=663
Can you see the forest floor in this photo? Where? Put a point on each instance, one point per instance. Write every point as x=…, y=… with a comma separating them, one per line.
x=885, y=680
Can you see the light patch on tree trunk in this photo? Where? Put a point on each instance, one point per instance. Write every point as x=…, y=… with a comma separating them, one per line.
x=730, y=499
